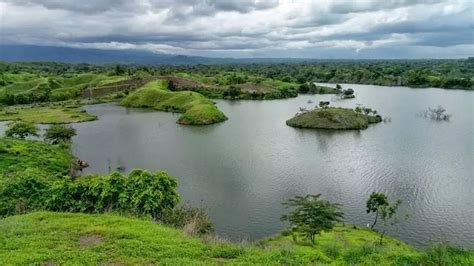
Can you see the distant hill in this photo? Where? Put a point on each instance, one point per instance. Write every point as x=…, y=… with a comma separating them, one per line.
x=22, y=53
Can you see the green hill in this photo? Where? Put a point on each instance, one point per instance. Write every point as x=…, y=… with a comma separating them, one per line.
x=196, y=109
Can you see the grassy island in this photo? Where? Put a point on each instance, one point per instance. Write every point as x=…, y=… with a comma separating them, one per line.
x=196, y=109
x=46, y=114
x=333, y=118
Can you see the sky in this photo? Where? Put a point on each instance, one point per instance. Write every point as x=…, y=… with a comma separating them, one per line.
x=248, y=28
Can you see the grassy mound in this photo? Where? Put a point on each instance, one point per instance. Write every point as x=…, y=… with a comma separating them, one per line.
x=67, y=238
x=18, y=155
x=47, y=114
x=196, y=109
x=333, y=118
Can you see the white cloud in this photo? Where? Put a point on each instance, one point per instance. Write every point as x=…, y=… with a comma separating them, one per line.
x=243, y=27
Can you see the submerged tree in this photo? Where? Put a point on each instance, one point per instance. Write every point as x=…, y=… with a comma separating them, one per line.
x=311, y=216
x=21, y=129
x=438, y=113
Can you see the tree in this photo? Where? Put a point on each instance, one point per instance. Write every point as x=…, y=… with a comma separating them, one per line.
x=323, y=104
x=379, y=204
x=21, y=129
x=119, y=70
x=438, y=113
x=375, y=203
x=232, y=92
x=311, y=216
x=59, y=133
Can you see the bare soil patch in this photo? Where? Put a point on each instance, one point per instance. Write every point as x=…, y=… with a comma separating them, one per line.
x=248, y=87
x=90, y=240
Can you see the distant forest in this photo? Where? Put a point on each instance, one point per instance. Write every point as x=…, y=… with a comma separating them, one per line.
x=449, y=74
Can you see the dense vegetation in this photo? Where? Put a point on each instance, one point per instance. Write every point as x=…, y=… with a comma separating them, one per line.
x=196, y=109
x=333, y=118
x=22, y=83
x=67, y=80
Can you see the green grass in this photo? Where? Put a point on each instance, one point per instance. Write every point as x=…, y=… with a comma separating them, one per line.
x=65, y=87
x=21, y=87
x=332, y=118
x=46, y=114
x=196, y=109
x=72, y=239
x=18, y=155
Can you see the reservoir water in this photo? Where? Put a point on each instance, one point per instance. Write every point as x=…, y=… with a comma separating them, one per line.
x=243, y=169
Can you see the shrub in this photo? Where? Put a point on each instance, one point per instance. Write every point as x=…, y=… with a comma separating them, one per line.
x=195, y=220
x=59, y=133
x=140, y=193
x=22, y=192
x=3, y=148
x=443, y=254
x=21, y=129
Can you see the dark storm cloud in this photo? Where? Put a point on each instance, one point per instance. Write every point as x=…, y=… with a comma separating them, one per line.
x=301, y=28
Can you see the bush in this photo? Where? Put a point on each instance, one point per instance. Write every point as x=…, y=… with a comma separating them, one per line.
x=21, y=129
x=141, y=193
x=23, y=192
x=195, y=220
x=3, y=148
x=59, y=133
x=443, y=254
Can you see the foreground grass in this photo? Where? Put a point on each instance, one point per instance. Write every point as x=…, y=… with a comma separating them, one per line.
x=18, y=155
x=71, y=239
x=196, y=109
x=332, y=118
x=46, y=114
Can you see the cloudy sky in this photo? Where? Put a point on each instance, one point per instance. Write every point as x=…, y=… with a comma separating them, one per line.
x=248, y=28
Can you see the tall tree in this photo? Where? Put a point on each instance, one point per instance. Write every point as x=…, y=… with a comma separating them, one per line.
x=311, y=216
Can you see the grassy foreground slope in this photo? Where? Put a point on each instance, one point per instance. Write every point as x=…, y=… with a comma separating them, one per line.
x=196, y=109
x=67, y=238
x=332, y=118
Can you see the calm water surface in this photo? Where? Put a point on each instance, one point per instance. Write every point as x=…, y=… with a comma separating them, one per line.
x=243, y=169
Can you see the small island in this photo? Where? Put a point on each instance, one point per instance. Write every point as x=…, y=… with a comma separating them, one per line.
x=196, y=109
x=334, y=118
